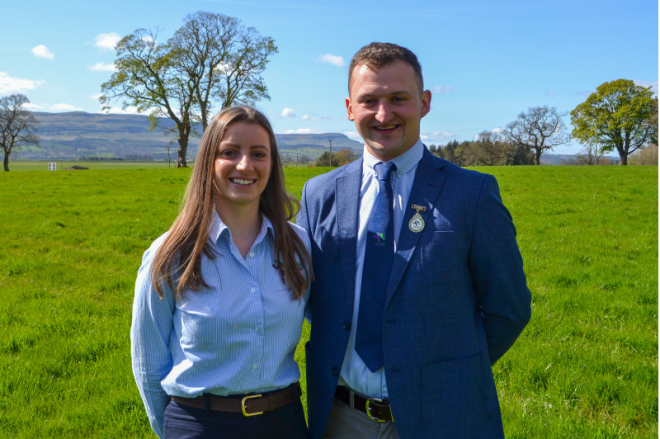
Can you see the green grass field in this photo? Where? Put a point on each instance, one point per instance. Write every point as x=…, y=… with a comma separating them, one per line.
x=585, y=367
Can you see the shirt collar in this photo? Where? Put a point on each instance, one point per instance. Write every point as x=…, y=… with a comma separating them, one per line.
x=218, y=228
x=404, y=162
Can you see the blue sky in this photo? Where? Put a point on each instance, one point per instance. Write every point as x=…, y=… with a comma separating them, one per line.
x=486, y=60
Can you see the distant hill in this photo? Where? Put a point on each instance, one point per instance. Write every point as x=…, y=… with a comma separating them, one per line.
x=80, y=135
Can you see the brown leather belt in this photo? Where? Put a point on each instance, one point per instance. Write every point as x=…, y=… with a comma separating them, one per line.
x=378, y=410
x=250, y=405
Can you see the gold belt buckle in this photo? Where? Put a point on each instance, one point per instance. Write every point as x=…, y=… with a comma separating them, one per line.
x=368, y=408
x=243, y=407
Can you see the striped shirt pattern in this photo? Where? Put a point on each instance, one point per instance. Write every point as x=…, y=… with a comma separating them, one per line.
x=238, y=336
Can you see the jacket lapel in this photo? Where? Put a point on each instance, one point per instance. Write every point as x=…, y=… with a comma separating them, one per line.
x=429, y=179
x=347, y=201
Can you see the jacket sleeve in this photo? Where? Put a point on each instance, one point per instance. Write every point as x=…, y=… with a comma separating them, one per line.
x=497, y=272
x=302, y=220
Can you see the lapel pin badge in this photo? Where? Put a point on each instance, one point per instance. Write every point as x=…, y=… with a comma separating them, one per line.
x=416, y=223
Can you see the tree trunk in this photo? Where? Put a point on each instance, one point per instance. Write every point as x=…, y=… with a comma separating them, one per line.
x=181, y=153
x=184, y=134
x=537, y=157
x=6, y=161
x=624, y=159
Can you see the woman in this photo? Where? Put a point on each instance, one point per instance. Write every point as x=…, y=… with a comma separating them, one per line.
x=220, y=298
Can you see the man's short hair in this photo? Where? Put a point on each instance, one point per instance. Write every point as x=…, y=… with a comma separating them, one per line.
x=378, y=55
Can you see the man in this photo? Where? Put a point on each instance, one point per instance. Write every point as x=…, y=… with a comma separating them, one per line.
x=419, y=285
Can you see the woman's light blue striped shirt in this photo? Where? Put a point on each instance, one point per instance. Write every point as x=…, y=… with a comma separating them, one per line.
x=237, y=336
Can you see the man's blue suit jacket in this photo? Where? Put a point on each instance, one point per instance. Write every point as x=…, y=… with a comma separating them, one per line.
x=457, y=299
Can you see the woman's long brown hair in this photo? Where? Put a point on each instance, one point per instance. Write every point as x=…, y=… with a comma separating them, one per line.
x=179, y=258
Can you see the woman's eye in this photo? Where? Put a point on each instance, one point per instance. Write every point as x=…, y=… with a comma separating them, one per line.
x=259, y=155
x=227, y=153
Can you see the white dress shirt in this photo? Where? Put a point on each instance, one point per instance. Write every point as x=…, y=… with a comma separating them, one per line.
x=354, y=373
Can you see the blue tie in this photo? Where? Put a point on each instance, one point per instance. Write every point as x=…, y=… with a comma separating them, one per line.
x=378, y=257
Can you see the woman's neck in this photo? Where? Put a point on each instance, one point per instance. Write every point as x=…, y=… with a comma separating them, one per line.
x=244, y=225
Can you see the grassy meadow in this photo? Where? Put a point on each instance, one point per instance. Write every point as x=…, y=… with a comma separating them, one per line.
x=71, y=244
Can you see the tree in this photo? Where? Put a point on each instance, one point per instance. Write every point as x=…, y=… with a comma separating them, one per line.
x=647, y=156
x=211, y=59
x=324, y=160
x=147, y=78
x=223, y=59
x=344, y=157
x=17, y=125
x=538, y=130
x=590, y=155
x=619, y=115
x=493, y=149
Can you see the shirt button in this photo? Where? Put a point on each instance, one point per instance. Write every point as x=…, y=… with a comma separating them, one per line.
x=252, y=254
x=254, y=367
x=256, y=328
x=347, y=326
x=252, y=290
x=400, y=172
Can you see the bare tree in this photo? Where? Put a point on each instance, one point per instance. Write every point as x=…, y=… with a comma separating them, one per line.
x=17, y=125
x=494, y=149
x=538, y=130
x=590, y=155
x=223, y=60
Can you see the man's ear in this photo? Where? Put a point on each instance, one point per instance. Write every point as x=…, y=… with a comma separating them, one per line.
x=349, y=110
x=426, y=102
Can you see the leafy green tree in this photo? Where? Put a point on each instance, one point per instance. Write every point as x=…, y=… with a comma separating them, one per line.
x=619, y=115
x=324, y=160
x=147, y=78
x=17, y=125
x=538, y=130
x=211, y=61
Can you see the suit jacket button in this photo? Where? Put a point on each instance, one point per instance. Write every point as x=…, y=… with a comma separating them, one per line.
x=334, y=372
x=347, y=326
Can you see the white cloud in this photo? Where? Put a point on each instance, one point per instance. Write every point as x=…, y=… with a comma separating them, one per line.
x=353, y=135
x=102, y=67
x=437, y=136
x=106, y=41
x=42, y=51
x=288, y=112
x=332, y=59
x=442, y=89
x=549, y=93
x=315, y=118
x=96, y=97
x=52, y=107
x=13, y=85
x=303, y=131
x=652, y=84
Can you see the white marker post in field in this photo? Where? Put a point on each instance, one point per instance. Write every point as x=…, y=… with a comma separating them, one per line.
x=52, y=166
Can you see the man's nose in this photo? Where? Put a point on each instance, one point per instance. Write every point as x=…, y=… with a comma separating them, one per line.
x=383, y=111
